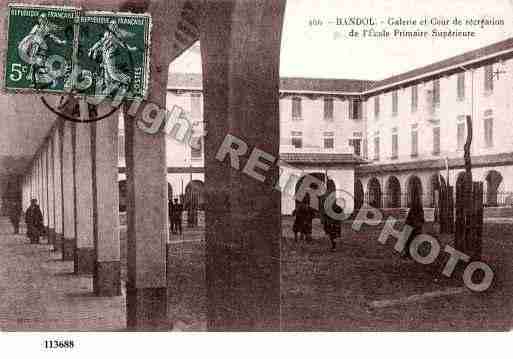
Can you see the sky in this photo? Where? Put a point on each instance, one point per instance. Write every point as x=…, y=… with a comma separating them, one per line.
x=327, y=51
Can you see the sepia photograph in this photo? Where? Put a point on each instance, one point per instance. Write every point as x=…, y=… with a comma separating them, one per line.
x=255, y=166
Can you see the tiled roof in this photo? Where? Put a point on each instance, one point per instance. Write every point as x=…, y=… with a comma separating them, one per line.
x=296, y=84
x=321, y=158
x=287, y=84
x=291, y=84
x=452, y=61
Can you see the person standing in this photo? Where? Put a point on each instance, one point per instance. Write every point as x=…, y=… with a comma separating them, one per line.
x=332, y=226
x=34, y=220
x=177, y=211
x=309, y=215
x=15, y=214
x=299, y=219
x=171, y=210
x=415, y=220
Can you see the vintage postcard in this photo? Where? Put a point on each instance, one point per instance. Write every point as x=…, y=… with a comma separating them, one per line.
x=256, y=166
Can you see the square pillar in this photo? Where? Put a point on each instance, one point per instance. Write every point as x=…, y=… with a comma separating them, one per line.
x=57, y=186
x=240, y=46
x=44, y=187
x=51, y=191
x=39, y=182
x=68, y=191
x=147, y=194
x=84, y=251
x=107, y=270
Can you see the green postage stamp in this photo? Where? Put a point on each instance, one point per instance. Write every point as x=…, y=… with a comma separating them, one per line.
x=91, y=53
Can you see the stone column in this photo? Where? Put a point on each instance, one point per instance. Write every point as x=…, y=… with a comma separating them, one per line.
x=107, y=270
x=51, y=192
x=39, y=182
x=68, y=191
x=240, y=45
x=84, y=250
x=147, y=211
x=57, y=176
x=44, y=186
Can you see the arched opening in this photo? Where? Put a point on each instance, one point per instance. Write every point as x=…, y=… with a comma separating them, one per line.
x=358, y=194
x=434, y=190
x=169, y=192
x=493, y=181
x=374, y=193
x=414, y=189
x=194, y=198
x=393, y=193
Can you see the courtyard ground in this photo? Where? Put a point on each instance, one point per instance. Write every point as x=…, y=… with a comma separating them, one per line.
x=363, y=285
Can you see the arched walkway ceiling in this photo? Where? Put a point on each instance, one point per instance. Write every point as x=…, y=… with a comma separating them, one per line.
x=25, y=122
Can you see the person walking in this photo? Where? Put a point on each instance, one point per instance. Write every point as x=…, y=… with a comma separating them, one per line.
x=34, y=220
x=299, y=221
x=332, y=226
x=415, y=220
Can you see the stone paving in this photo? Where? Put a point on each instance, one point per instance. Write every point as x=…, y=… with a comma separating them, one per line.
x=40, y=292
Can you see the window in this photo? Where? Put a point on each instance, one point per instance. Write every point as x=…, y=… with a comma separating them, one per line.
x=414, y=98
x=461, y=86
x=196, y=147
x=460, y=135
x=436, y=141
x=395, y=103
x=488, y=80
x=365, y=149
x=297, y=139
x=488, y=131
x=329, y=140
x=328, y=108
x=376, y=147
x=196, y=106
x=355, y=109
x=356, y=143
x=395, y=145
x=436, y=92
x=414, y=141
x=296, y=108
x=376, y=107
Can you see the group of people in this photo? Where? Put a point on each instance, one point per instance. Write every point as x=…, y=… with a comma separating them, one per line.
x=175, y=216
x=33, y=219
x=302, y=227
x=304, y=215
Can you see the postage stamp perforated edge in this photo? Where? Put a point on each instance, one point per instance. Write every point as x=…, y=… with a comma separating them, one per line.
x=147, y=40
x=23, y=90
x=79, y=12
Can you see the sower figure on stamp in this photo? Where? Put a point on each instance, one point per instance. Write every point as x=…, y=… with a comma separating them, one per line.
x=415, y=219
x=34, y=220
x=106, y=51
x=34, y=49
